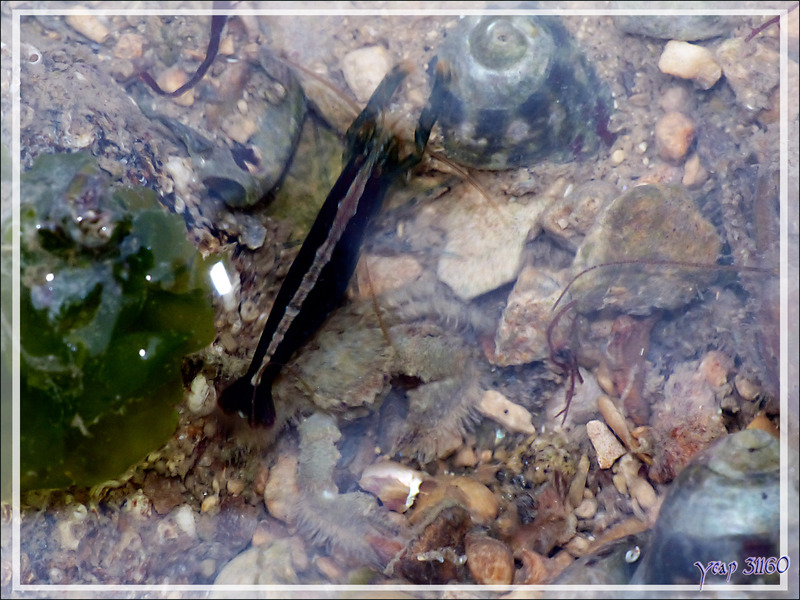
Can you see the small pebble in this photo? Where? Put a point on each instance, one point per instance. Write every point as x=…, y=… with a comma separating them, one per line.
x=689, y=61
x=249, y=311
x=263, y=534
x=489, y=560
x=586, y=509
x=694, y=175
x=578, y=485
x=764, y=424
x=129, y=46
x=511, y=416
x=185, y=519
x=199, y=393
x=619, y=482
x=617, y=157
x=240, y=129
x=614, y=418
x=643, y=493
x=170, y=80
x=235, y=486
x=674, y=135
x=605, y=443
x=281, y=490
x=481, y=502
x=88, y=25
x=715, y=367
x=208, y=567
x=328, y=567
x=465, y=457
x=380, y=274
x=675, y=98
x=578, y=546
x=209, y=503
x=364, y=69
x=747, y=389
x=226, y=47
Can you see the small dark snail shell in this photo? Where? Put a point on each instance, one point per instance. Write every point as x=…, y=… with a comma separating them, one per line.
x=520, y=93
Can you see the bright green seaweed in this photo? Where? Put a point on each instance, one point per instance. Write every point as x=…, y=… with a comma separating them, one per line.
x=112, y=297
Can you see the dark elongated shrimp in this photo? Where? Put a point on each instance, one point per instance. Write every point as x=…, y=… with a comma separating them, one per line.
x=319, y=275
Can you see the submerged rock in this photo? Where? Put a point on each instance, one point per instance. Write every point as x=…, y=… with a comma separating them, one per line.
x=675, y=27
x=644, y=229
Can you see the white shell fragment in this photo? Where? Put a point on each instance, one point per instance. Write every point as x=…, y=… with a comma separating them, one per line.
x=200, y=400
x=605, y=443
x=396, y=485
x=689, y=61
x=511, y=416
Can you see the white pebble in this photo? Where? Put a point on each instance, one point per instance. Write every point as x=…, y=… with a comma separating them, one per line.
x=88, y=25
x=364, y=69
x=674, y=135
x=605, y=443
x=184, y=518
x=586, y=509
x=689, y=61
x=694, y=175
x=196, y=400
x=642, y=492
x=511, y=416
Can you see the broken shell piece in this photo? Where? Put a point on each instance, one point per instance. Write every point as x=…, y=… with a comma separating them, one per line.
x=396, y=485
x=605, y=443
x=511, y=416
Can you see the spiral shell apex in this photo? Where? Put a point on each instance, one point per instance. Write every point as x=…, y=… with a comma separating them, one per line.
x=520, y=93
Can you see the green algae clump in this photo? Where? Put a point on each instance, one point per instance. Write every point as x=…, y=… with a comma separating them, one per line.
x=112, y=297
